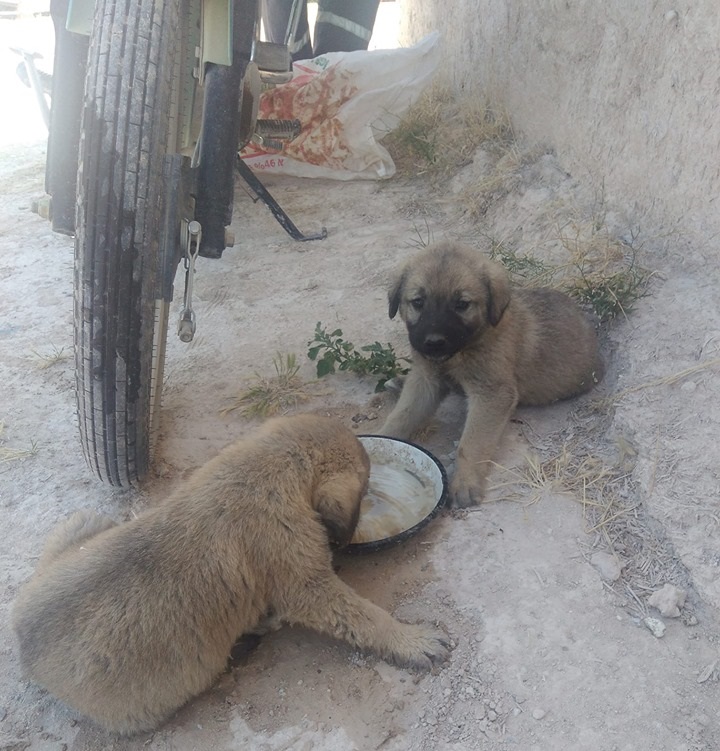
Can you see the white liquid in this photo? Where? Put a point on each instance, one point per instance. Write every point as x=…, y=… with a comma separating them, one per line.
x=397, y=500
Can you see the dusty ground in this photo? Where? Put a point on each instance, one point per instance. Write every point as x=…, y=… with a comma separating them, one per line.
x=548, y=655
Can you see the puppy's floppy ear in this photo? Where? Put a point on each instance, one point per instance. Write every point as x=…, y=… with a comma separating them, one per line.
x=337, y=501
x=498, y=290
x=395, y=293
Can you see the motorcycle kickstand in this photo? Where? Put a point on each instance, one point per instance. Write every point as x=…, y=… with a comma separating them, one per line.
x=263, y=194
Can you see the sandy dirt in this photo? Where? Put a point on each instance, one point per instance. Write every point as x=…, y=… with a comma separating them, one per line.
x=550, y=653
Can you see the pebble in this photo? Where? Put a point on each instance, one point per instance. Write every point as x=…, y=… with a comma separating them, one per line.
x=607, y=566
x=669, y=600
x=538, y=713
x=655, y=626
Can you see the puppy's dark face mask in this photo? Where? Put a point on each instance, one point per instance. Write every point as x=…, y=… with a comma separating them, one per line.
x=439, y=328
x=449, y=301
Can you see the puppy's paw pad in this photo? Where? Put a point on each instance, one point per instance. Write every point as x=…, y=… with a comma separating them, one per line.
x=420, y=647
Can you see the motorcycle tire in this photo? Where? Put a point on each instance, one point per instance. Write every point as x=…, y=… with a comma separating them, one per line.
x=120, y=316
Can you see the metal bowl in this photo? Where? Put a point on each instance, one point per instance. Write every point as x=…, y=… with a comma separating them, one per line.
x=408, y=487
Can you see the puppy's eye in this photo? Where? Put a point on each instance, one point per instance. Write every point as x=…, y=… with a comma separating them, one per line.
x=462, y=305
x=417, y=303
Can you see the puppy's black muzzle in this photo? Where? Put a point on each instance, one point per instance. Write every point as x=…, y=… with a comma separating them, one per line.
x=438, y=333
x=435, y=345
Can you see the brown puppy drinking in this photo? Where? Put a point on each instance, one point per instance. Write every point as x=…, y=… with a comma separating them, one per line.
x=127, y=622
x=501, y=347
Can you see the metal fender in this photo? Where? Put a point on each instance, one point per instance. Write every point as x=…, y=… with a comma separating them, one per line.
x=80, y=16
x=216, y=23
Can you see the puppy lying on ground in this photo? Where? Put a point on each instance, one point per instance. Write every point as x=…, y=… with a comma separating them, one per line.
x=126, y=622
x=502, y=348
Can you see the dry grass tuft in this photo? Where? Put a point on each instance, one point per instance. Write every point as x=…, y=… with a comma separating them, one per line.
x=277, y=394
x=504, y=174
x=48, y=360
x=524, y=269
x=597, y=269
x=8, y=454
x=440, y=133
x=585, y=477
x=602, y=272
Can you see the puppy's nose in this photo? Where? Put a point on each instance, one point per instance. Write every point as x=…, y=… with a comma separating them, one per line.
x=435, y=343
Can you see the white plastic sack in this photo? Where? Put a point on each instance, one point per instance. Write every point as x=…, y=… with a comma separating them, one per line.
x=345, y=101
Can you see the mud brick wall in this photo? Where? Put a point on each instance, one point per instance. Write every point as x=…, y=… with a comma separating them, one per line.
x=626, y=93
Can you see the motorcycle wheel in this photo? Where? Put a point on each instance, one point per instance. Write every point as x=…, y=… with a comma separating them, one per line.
x=120, y=316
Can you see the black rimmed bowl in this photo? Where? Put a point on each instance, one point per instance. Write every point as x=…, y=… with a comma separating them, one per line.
x=408, y=487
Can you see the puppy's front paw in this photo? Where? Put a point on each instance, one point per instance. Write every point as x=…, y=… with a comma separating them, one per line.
x=418, y=647
x=465, y=492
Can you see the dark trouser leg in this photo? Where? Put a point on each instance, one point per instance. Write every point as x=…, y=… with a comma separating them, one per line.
x=275, y=16
x=344, y=25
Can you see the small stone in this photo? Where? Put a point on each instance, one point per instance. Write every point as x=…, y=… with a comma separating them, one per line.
x=707, y=672
x=492, y=715
x=538, y=713
x=669, y=600
x=655, y=626
x=607, y=566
